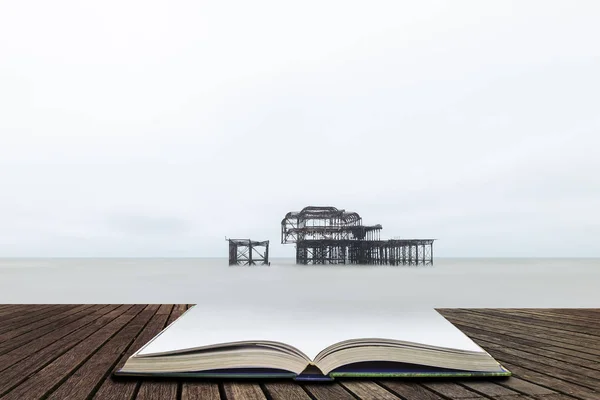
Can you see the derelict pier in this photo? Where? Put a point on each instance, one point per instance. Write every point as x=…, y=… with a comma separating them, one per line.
x=326, y=235
x=248, y=252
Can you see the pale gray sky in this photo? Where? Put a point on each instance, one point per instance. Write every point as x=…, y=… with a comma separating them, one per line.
x=155, y=128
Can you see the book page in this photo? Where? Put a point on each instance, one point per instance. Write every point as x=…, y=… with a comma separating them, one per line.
x=310, y=331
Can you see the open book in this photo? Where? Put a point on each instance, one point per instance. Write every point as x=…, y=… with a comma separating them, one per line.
x=232, y=344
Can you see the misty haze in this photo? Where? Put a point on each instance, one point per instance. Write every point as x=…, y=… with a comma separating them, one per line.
x=158, y=130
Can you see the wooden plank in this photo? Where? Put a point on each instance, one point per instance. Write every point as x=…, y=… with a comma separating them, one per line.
x=177, y=311
x=589, y=327
x=410, y=390
x=157, y=390
x=82, y=383
x=473, y=317
x=593, y=313
x=17, y=373
x=163, y=390
x=556, y=371
x=532, y=323
x=487, y=388
x=200, y=391
x=452, y=390
x=28, y=348
x=514, y=383
x=546, y=313
x=583, y=312
x=507, y=337
x=553, y=383
x=531, y=348
x=16, y=338
x=555, y=396
x=548, y=362
x=574, y=353
x=48, y=377
x=8, y=306
x=20, y=320
x=243, y=391
x=116, y=389
x=572, y=319
x=27, y=311
x=368, y=390
x=522, y=331
x=539, y=338
x=285, y=391
x=5, y=308
x=20, y=309
x=32, y=306
x=542, y=357
x=328, y=391
x=591, y=333
x=525, y=387
x=554, y=368
x=54, y=314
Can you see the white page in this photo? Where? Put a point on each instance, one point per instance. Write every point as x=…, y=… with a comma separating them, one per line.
x=309, y=331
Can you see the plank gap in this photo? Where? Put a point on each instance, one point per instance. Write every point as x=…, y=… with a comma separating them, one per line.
x=73, y=370
x=67, y=348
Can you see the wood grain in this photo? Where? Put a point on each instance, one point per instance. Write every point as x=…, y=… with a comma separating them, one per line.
x=70, y=351
x=89, y=375
x=19, y=372
x=326, y=391
x=162, y=390
x=368, y=390
x=200, y=391
x=285, y=391
x=410, y=390
x=115, y=389
x=24, y=335
x=243, y=390
x=45, y=380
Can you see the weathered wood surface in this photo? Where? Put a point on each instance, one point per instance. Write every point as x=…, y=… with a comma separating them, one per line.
x=69, y=352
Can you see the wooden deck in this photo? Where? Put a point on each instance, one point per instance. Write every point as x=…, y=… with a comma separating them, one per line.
x=69, y=352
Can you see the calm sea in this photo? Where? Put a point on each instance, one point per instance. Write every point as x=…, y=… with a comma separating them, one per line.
x=499, y=282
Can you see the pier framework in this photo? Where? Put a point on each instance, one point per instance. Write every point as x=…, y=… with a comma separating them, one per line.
x=248, y=252
x=327, y=235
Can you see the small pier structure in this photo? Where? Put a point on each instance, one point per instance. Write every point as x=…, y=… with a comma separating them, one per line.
x=327, y=235
x=248, y=252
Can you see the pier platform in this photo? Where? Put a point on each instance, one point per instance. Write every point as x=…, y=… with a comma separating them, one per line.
x=68, y=351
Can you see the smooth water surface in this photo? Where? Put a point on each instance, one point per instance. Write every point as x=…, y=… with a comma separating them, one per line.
x=449, y=283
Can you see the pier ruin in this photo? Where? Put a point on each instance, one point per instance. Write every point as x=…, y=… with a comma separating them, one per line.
x=327, y=235
x=248, y=252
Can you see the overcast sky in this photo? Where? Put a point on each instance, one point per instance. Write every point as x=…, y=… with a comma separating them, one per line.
x=157, y=128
